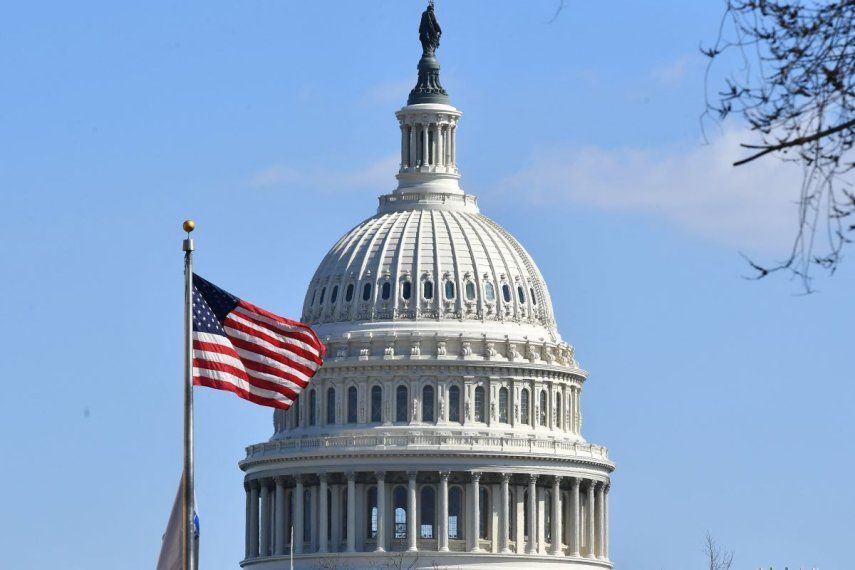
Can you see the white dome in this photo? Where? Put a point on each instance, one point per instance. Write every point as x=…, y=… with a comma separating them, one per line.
x=434, y=264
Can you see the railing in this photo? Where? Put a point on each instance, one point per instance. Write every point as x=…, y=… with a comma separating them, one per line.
x=428, y=197
x=442, y=442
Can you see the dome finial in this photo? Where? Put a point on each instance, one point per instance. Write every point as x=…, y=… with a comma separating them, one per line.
x=428, y=89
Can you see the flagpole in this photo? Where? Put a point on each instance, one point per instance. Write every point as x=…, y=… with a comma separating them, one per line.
x=188, y=553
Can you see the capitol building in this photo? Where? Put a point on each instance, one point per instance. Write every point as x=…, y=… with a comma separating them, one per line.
x=445, y=428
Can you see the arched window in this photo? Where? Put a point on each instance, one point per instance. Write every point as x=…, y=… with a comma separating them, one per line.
x=542, y=417
x=296, y=411
x=348, y=293
x=427, y=508
x=427, y=404
x=559, y=413
x=323, y=293
x=480, y=404
x=406, y=290
x=377, y=404
x=489, y=291
x=427, y=289
x=334, y=295
x=454, y=404
x=524, y=406
x=506, y=293
x=521, y=294
x=371, y=512
x=402, y=405
x=455, y=513
x=399, y=506
x=449, y=289
x=307, y=515
x=386, y=291
x=503, y=405
x=533, y=297
x=351, y=405
x=366, y=291
x=525, y=515
x=330, y=405
x=470, y=291
x=313, y=404
x=484, y=513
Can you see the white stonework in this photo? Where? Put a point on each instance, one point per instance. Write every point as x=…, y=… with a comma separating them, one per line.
x=446, y=391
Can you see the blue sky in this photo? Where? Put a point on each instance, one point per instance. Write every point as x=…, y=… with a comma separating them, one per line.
x=725, y=402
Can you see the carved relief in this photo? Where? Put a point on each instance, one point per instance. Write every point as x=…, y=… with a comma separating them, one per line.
x=440, y=348
x=467, y=349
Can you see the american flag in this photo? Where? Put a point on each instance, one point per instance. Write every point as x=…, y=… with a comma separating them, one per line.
x=261, y=357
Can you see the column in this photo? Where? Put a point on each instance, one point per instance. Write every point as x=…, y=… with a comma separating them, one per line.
x=335, y=517
x=575, y=518
x=253, y=520
x=424, y=145
x=314, y=496
x=412, y=530
x=442, y=522
x=351, y=512
x=323, y=512
x=247, y=487
x=474, y=499
x=453, y=137
x=381, y=511
x=606, y=521
x=591, y=523
x=519, y=495
x=541, y=520
x=413, y=145
x=600, y=519
x=532, y=514
x=264, y=548
x=299, y=516
x=556, y=516
x=279, y=522
x=505, y=518
x=440, y=147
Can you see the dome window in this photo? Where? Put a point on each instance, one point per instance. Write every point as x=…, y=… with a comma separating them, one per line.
x=449, y=289
x=521, y=294
x=366, y=291
x=480, y=404
x=314, y=294
x=402, y=405
x=334, y=295
x=470, y=291
x=387, y=290
x=506, y=293
x=533, y=298
x=454, y=404
x=428, y=289
x=407, y=290
x=323, y=293
x=489, y=291
x=348, y=293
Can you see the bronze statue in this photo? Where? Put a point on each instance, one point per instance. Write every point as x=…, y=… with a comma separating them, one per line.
x=429, y=31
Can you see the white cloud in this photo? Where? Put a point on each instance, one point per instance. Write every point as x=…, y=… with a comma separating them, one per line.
x=378, y=175
x=673, y=71
x=694, y=186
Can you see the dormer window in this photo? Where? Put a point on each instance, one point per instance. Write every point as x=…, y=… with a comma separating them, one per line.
x=386, y=292
x=470, y=291
x=366, y=292
x=314, y=294
x=427, y=289
x=348, y=293
x=506, y=293
x=334, y=295
x=489, y=292
x=533, y=298
x=406, y=290
x=521, y=294
x=449, y=289
x=323, y=293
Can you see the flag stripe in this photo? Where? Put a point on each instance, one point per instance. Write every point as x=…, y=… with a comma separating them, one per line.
x=251, y=395
x=305, y=341
x=272, y=338
x=242, y=377
x=217, y=353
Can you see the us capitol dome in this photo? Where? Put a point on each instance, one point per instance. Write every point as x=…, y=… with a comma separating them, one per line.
x=444, y=429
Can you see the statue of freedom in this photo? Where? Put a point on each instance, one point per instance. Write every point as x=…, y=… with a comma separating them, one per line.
x=429, y=31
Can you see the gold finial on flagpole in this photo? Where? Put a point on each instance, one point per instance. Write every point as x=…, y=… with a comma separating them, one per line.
x=189, y=226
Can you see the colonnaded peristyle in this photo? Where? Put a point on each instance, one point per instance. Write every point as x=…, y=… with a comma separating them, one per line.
x=444, y=429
